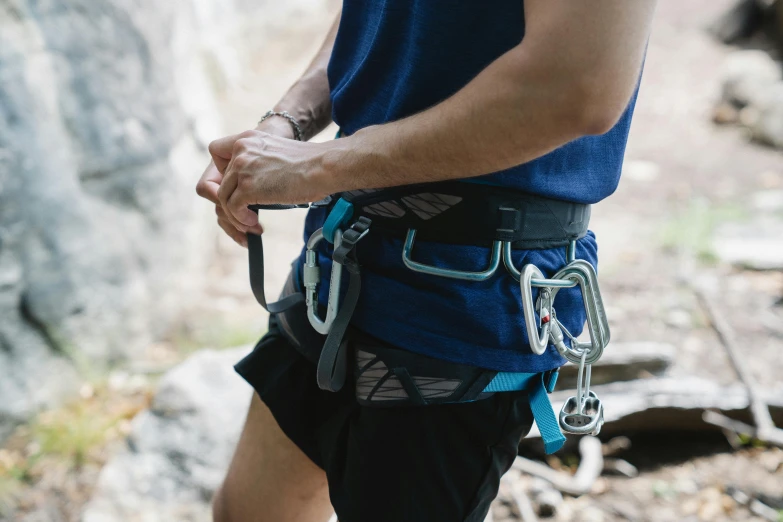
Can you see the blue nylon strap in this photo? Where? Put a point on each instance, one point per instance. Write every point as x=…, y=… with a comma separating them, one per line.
x=550, y=386
x=509, y=381
x=545, y=417
x=338, y=217
x=539, y=402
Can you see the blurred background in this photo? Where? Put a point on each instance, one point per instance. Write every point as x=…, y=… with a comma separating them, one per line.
x=122, y=309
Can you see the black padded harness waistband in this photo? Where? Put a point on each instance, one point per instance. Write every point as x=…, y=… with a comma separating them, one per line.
x=471, y=213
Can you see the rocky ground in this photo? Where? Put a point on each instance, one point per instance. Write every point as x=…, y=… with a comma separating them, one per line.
x=690, y=188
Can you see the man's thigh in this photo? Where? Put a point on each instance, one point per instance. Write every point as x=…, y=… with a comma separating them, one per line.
x=423, y=463
x=269, y=478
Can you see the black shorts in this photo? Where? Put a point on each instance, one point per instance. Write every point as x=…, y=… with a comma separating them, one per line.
x=435, y=463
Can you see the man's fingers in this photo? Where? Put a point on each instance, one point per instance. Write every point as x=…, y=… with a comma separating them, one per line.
x=209, y=183
x=227, y=187
x=232, y=232
x=228, y=228
x=237, y=207
x=221, y=150
x=208, y=190
x=256, y=229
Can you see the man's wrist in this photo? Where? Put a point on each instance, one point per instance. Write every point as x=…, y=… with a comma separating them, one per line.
x=277, y=126
x=349, y=163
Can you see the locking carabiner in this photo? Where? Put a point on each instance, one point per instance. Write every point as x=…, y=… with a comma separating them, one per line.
x=311, y=275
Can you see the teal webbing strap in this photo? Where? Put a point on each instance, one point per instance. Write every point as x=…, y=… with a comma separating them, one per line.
x=545, y=416
x=509, y=381
x=338, y=217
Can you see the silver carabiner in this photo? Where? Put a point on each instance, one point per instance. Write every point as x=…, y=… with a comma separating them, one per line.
x=538, y=339
x=584, y=275
x=407, y=249
x=311, y=275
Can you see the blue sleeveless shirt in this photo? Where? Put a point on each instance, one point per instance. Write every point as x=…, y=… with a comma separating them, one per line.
x=393, y=58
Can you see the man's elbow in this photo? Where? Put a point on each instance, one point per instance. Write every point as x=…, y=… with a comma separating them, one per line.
x=597, y=108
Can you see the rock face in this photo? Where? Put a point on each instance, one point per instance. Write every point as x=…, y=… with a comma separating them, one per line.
x=752, y=95
x=103, y=118
x=178, y=450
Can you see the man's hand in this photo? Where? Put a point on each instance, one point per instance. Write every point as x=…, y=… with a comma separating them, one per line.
x=209, y=185
x=261, y=168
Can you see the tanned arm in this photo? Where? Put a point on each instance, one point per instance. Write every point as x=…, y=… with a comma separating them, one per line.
x=308, y=101
x=572, y=75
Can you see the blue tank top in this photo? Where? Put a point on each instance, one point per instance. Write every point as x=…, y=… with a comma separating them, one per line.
x=393, y=58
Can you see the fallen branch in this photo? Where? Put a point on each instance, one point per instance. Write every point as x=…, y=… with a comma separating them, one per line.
x=523, y=503
x=622, y=467
x=734, y=426
x=615, y=446
x=582, y=481
x=755, y=506
x=765, y=427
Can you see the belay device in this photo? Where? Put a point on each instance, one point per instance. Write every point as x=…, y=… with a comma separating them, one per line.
x=459, y=213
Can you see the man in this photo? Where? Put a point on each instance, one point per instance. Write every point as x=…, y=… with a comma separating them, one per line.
x=537, y=97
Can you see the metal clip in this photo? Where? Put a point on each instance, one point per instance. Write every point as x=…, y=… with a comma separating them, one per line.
x=583, y=413
x=583, y=273
x=311, y=275
x=538, y=339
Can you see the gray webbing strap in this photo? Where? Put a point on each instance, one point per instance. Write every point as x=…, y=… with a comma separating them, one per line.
x=332, y=365
x=255, y=252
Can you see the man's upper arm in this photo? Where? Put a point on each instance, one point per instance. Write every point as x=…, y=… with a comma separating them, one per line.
x=598, y=43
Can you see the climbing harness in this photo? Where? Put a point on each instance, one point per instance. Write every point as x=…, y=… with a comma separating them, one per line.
x=503, y=220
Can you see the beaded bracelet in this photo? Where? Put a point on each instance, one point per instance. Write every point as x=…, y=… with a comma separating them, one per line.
x=295, y=124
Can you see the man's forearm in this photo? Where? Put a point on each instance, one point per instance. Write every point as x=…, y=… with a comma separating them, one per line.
x=572, y=75
x=571, y=78
x=308, y=99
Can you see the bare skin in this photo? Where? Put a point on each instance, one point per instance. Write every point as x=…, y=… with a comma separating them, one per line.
x=270, y=479
x=308, y=101
x=572, y=76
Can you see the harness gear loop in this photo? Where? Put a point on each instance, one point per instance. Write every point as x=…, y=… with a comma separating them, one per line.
x=407, y=249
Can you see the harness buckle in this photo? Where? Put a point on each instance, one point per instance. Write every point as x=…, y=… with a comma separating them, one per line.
x=348, y=242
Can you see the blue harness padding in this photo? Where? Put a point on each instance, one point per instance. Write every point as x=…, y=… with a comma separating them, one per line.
x=538, y=387
x=338, y=217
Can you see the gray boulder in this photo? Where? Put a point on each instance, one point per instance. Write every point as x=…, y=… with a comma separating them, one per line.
x=103, y=119
x=752, y=95
x=179, y=449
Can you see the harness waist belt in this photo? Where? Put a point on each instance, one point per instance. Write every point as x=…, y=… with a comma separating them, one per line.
x=471, y=213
